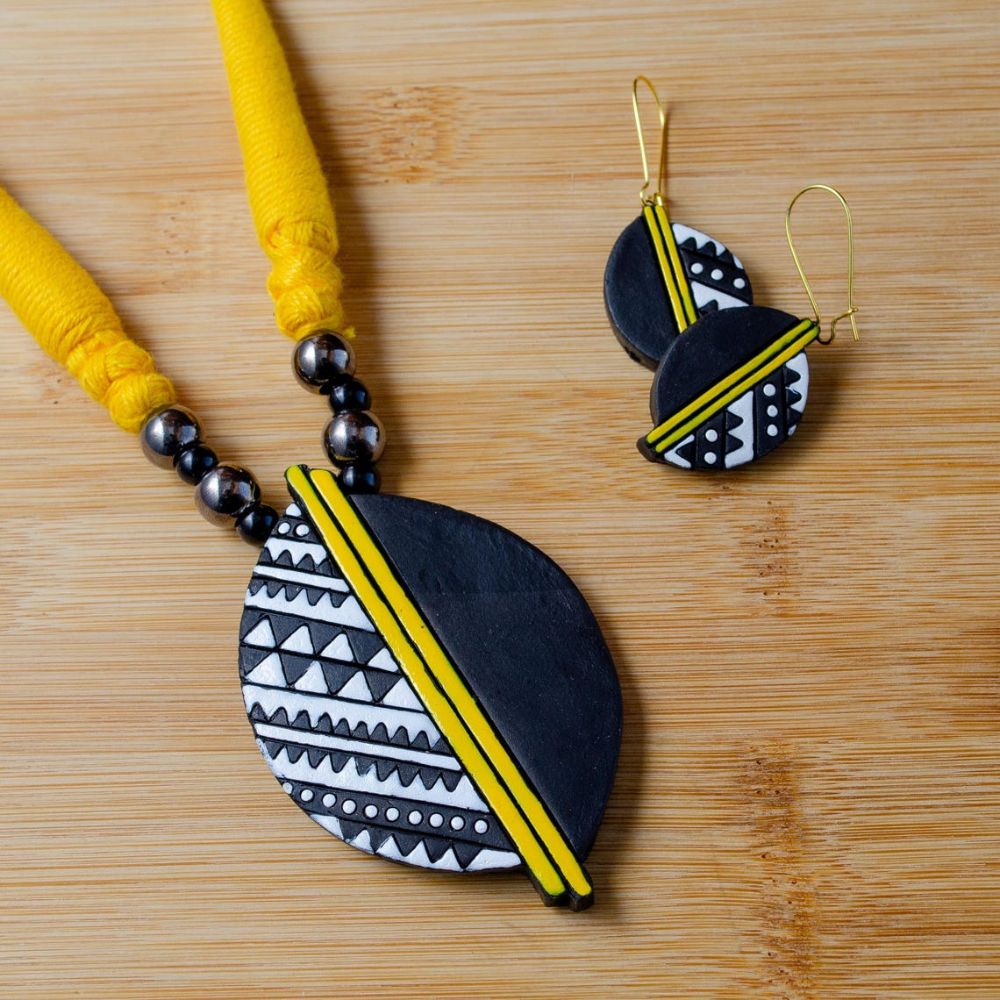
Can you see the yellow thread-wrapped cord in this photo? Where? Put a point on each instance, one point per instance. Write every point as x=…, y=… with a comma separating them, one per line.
x=72, y=319
x=65, y=311
x=285, y=183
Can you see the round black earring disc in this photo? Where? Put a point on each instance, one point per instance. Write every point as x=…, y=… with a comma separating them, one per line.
x=730, y=390
x=637, y=291
x=341, y=717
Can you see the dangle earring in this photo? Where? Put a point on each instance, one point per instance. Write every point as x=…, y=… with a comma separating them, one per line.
x=661, y=275
x=734, y=386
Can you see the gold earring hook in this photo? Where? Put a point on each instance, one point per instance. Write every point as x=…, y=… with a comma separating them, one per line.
x=661, y=175
x=851, y=307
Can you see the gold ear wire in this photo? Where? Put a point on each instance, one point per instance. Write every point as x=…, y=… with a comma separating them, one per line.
x=661, y=174
x=851, y=307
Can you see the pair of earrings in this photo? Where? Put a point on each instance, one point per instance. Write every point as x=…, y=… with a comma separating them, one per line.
x=731, y=377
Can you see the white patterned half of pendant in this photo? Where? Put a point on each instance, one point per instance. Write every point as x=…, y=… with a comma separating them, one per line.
x=429, y=687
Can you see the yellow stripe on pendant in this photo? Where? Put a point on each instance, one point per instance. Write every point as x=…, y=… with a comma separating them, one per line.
x=550, y=860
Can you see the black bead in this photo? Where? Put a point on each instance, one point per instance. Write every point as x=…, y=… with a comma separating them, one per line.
x=256, y=524
x=192, y=463
x=351, y=437
x=225, y=492
x=360, y=477
x=349, y=394
x=321, y=359
x=167, y=432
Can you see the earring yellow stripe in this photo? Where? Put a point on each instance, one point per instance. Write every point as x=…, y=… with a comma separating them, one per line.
x=671, y=269
x=714, y=399
x=675, y=261
x=750, y=366
x=549, y=858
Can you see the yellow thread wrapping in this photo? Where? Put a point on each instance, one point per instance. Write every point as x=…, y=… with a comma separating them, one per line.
x=64, y=310
x=286, y=188
x=72, y=319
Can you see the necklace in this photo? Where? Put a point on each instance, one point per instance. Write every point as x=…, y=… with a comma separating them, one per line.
x=424, y=684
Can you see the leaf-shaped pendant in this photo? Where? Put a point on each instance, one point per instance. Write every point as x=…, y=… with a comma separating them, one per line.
x=429, y=687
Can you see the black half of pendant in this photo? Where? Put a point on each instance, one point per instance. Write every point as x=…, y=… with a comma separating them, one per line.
x=730, y=390
x=661, y=277
x=429, y=687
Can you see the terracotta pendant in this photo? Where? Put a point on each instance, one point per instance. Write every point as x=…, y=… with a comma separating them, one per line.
x=429, y=687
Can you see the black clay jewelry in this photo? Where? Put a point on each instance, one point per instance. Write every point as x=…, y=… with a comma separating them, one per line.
x=734, y=386
x=662, y=275
x=424, y=684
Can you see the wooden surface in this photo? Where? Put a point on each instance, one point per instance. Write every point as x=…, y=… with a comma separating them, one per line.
x=808, y=803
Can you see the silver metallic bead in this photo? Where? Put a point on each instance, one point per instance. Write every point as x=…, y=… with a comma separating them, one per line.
x=354, y=436
x=167, y=433
x=224, y=493
x=321, y=359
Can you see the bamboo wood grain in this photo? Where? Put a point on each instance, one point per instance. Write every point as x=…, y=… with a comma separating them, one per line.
x=808, y=803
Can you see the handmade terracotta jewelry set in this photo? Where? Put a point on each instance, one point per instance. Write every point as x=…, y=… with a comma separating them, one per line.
x=424, y=684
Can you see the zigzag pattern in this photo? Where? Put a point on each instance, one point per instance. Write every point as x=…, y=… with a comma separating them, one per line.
x=307, y=557
x=796, y=376
x=334, y=710
x=716, y=276
x=326, y=726
x=294, y=600
x=352, y=681
x=429, y=774
x=352, y=777
x=320, y=640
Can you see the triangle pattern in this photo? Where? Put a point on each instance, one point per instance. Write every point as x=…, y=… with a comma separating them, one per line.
x=380, y=683
x=380, y=734
x=366, y=644
x=301, y=721
x=682, y=453
x=383, y=660
x=300, y=641
x=268, y=671
x=465, y=853
x=250, y=657
x=313, y=680
x=336, y=675
x=363, y=842
x=356, y=688
x=339, y=648
x=261, y=635
x=402, y=696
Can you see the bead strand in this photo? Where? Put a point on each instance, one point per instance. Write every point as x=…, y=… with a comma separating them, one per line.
x=227, y=495
x=354, y=438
